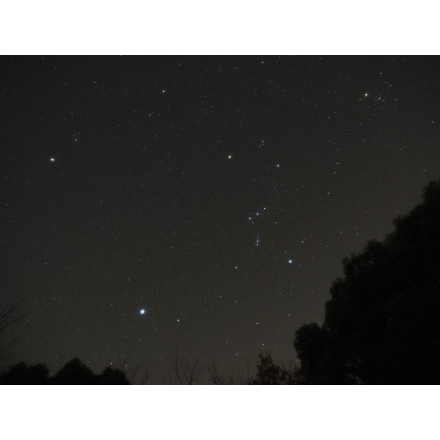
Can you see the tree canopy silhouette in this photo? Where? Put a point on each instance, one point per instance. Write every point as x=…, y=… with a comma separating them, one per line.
x=23, y=374
x=73, y=372
x=269, y=373
x=382, y=323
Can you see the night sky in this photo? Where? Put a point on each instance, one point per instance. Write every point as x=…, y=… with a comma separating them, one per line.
x=203, y=203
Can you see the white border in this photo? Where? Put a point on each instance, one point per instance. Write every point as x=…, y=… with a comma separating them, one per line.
x=220, y=412
x=219, y=27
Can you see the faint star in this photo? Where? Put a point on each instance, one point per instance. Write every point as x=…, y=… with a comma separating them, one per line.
x=229, y=156
x=257, y=241
x=52, y=159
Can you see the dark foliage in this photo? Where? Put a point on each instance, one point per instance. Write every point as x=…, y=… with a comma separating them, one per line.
x=269, y=373
x=112, y=376
x=382, y=322
x=23, y=374
x=73, y=372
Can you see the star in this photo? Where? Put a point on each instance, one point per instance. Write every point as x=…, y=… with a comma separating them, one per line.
x=290, y=261
x=52, y=159
x=142, y=312
x=229, y=156
x=257, y=241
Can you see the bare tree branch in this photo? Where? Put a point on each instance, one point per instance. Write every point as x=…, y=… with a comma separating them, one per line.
x=185, y=374
x=132, y=372
x=8, y=317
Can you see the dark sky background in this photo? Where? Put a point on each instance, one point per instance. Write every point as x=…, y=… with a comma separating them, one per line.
x=218, y=195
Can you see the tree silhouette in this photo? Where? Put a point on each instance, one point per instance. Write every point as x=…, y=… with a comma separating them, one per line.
x=73, y=372
x=185, y=373
x=382, y=324
x=23, y=374
x=112, y=376
x=269, y=373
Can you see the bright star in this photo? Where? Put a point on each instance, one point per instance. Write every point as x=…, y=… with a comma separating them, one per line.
x=142, y=312
x=229, y=156
x=52, y=159
x=290, y=261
